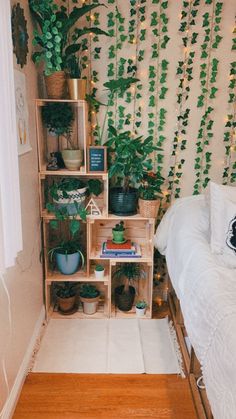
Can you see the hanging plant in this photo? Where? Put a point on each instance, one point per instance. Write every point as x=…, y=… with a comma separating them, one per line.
x=208, y=75
x=184, y=72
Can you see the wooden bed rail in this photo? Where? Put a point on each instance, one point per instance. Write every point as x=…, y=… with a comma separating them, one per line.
x=191, y=364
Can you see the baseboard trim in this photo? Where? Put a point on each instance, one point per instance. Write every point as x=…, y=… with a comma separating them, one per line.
x=11, y=402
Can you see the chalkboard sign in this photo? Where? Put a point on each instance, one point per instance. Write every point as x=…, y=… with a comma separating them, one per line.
x=97, y=159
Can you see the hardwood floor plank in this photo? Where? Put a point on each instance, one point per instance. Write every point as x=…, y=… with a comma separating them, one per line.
x=104, y=396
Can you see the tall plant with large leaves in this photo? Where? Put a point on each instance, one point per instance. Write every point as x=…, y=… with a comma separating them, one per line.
x=52, y=33
x=129, y=157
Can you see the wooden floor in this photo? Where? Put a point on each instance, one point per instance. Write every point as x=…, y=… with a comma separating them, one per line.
x=93, y=396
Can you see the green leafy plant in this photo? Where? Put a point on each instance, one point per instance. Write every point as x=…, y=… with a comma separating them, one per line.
x=65, y=289
x=58, y=118
x=54, y=34
x=150, y=186
x=119, y=226
x=129, y=157
x=95, y=186
x=89, y=291
x=114, y=87
x=130, y=272
x=99, y=268
x=141, y=304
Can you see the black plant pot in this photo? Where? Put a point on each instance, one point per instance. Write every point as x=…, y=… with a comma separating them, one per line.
x=123, y=203
x=124, y=301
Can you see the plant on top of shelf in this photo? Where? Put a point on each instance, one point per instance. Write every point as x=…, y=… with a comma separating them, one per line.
x=89, y=296
x=58, y=118
x=66, y=296
x=124, y=294
x=56, y=37
x=128, y=159
x=150, y=194
x=118, y=232
x=114, y=87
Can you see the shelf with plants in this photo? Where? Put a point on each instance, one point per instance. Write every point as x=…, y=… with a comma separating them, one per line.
x=62, y=135
x=67, y=194
x=131, y=287
x=93, y=303
x=139, y=231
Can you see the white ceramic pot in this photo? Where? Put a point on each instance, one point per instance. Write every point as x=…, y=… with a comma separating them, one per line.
x=99, y=274
x=140, y=312
x=90, y=304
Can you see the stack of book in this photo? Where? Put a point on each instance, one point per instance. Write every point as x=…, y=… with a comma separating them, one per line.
x=127, y=249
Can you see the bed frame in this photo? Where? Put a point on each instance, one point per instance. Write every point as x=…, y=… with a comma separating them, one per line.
x=191, y=363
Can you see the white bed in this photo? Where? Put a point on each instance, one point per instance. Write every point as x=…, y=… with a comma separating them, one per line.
x=207, y=293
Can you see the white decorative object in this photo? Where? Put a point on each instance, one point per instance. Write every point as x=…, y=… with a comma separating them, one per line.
x=140, y=312
x=22, y=125
x=92, y=208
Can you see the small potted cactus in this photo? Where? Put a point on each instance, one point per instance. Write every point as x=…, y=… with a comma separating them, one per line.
x=99, y=271
x=118, y=233
x=140, y=308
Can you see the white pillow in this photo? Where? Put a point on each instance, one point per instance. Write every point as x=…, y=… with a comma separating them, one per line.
x=228, y=258
x=219, y=194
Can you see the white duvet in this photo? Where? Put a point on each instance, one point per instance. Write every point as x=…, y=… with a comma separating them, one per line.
x=207, y=293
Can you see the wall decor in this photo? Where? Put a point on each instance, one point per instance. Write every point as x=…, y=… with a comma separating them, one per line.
x=97, y=159
x=19, y=34
x=21, y=113
x=182, y=54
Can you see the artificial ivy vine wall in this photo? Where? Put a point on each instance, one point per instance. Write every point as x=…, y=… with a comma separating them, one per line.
x=183, y=53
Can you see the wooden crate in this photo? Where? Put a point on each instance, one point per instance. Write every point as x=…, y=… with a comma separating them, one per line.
x=45, y=180
x=48, y=143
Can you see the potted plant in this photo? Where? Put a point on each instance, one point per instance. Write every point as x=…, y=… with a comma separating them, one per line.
x=99, y=271
x=68, y=195
x=56, y=40
x=68, y=256
x=118, y=233
x=140, y=308
x=128, y=158
x=89, y=296
x=124, y=294
x=150, y=194
x=58, y=118
x=66, y=297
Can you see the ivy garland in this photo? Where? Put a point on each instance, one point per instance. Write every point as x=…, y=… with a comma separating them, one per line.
x=184, y=72
x=157, y=78
x=208, y=74
x=229, y=172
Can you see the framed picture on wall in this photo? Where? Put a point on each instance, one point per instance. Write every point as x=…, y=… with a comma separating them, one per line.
x=22, y=116
x=97, y=159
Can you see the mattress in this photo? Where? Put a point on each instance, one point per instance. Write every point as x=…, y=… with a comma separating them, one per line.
x=206, y=289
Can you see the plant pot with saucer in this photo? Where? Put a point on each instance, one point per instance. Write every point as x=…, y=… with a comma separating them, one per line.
x=89, y=296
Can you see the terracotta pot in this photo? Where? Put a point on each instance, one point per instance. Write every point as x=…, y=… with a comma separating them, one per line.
x=56, y=85
x=66, y=304
x=77, y=88
x=149, y=209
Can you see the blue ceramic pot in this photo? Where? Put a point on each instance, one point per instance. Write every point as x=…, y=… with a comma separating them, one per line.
x=68, y=264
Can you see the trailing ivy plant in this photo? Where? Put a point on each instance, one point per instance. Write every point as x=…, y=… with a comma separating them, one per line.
x=184, y=72
x=208, y=75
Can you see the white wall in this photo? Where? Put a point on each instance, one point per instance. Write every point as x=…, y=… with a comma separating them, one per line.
x=20, y=312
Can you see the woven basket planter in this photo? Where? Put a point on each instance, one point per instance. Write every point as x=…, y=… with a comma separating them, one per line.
x=149, y=209
x=56, y=85
x=78, y=196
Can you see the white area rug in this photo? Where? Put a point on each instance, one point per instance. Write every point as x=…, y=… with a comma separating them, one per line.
x=129, y=346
